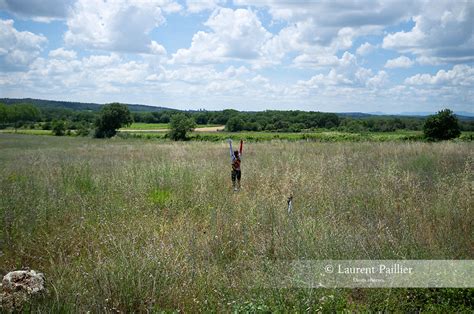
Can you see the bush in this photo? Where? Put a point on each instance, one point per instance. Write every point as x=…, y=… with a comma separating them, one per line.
x=180, y=126
x=235, y=124
x=46, y=126
x=442, y=126
x=112, y=117
x=59, y=128
x=83, y=130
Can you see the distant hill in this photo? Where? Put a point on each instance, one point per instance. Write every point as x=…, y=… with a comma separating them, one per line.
x=79, y=106
x=354, y=114
x=461, y=115
x=458, y=113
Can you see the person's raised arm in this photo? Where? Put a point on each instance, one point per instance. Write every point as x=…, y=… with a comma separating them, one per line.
x=231, y=151
x=241, y=147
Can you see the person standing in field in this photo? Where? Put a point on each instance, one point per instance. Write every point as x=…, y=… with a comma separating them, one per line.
x=235, y=157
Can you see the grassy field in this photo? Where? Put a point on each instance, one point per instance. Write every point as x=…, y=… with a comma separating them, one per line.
x=27, y=131
x=157, y=126
x=147, y=126
x=319, y=136
x=135, y=225
x=316, y=136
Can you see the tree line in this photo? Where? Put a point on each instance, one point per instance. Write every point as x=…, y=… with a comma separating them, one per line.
x=295, y=121
x=82, y=121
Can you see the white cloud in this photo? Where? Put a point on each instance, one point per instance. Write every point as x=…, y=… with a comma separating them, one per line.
x=156, y=48
x=116, y=25
x=346, y=72
x=196, y=6
x=198, y=75
x=316, y=60
x=18, y=49
x=400, y=62
x=169, y=6
x=365, y=49
x=378, y=80
x=459, y=75
x=319, y=29
x=235, y=34
x=329, y=17
x=443, y=33
x=338, y=12
x=101, y=61
x=94, y=75
x=62, y=53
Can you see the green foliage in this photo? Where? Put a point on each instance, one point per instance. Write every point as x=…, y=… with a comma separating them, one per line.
x=251, y=307
x=159, y=196
x=59, y=127
x=112, y=117
x=46, y=126
x=83, y=129
x=18, y=115
x=235, y=124
x=180, y=126
x=442, y=126
x=3, y=113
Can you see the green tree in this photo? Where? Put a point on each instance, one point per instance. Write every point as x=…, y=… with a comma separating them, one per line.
x=442, y=126
x=3, y=113
x=112, y=117
x=180, y=126
x=235, y=124
x=59, y=127
x=201, y=118
x=83, y=129
x=24, y=112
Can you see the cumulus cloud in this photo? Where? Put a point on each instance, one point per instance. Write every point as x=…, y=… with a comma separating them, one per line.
x=459, y=75
x=235, y=34
x=443, y=32
x=62, y=53
x=322, y=59
x=199, y=75
x=18, y=49
x=196, y=6
x=338, y=13
x=156, y=48
x=116, y=25
x=346, y=72
x=400, y=62
x=365, y=49
x=87, y=76
x=327, y=27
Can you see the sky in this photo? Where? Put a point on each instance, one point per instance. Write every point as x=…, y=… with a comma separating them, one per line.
x=388, y=56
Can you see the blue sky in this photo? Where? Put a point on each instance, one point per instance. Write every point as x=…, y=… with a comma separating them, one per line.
x=337, y=56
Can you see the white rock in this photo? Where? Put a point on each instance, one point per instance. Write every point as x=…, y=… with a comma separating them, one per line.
x=28, y=281
x=19, y=286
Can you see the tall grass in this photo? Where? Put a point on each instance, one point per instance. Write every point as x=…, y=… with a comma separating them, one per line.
x=136, y=225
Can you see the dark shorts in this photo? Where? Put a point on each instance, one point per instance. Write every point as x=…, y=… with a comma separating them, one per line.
x=236, y=174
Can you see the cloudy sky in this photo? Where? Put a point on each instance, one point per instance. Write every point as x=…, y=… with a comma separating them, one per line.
x=370, y=56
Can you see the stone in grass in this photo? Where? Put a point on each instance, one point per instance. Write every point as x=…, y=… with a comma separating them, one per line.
x=19, y=287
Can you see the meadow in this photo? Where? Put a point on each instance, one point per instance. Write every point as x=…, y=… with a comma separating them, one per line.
x=128, y=224
x=157, y=126
x=158, y=131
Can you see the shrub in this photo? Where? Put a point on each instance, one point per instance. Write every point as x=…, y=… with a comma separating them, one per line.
x=180, y=126
x=442, y=126
x=59, y=128
x=235, y=124
x=112, y=117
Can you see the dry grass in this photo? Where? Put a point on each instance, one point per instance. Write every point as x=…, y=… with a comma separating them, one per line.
x=138, y=225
